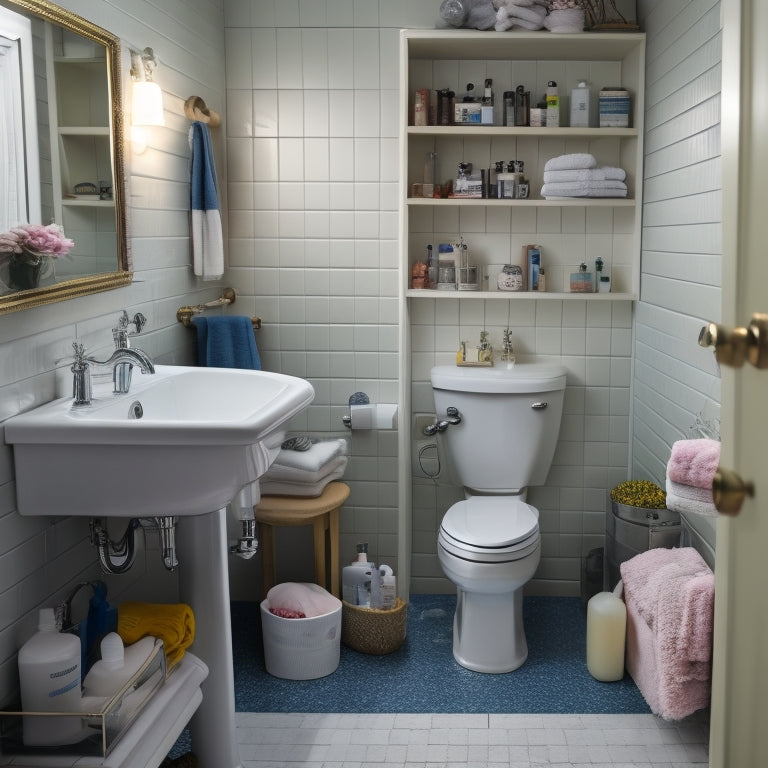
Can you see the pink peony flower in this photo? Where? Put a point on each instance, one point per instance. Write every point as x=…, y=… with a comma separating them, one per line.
x=41, y=240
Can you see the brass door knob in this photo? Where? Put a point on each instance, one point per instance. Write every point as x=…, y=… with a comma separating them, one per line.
x=729, y=491
x=730, y=345
x=734, y=347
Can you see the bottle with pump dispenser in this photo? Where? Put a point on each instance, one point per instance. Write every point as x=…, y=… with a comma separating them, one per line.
x=356, y=579
x=49, y=673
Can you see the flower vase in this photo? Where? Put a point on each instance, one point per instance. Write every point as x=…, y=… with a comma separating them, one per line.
x=25, y=271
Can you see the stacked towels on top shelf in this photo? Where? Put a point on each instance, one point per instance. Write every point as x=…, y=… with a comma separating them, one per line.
x=525, y=14
x=691, y=467
x=577, y=175
x=299, y=470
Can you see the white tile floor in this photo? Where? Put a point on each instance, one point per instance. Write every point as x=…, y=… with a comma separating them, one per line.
x=475, y=741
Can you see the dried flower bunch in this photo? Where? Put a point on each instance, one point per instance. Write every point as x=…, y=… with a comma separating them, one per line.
x=639, y=493
x=36, y=240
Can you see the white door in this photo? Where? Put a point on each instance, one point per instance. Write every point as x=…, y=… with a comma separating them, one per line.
x=739, y=733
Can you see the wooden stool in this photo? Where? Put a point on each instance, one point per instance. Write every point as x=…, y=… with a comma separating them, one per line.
x=322, y=513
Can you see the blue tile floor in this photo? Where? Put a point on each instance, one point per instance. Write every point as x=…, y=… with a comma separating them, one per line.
x=423, y=677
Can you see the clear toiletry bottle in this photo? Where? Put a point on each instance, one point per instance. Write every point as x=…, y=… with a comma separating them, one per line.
x=598, y=274
x=522, y=106
x=431, y=268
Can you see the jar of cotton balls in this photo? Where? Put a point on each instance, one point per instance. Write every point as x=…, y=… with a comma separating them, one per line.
x=565, y=16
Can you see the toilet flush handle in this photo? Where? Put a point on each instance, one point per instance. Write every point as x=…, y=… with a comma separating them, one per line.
x=540, y=406
x=452, y=416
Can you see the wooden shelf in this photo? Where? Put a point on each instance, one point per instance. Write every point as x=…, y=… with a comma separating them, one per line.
x=422, y=293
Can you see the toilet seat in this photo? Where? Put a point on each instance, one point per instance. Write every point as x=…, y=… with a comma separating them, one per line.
x=490, y=529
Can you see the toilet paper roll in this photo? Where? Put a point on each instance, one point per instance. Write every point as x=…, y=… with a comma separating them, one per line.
x=373, y=416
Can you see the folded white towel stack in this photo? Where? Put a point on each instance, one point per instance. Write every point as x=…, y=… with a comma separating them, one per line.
x=574, y=161
x=584, y=189
x=305, y=473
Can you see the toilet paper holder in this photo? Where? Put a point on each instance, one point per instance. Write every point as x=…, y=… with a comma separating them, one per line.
x=366, y=415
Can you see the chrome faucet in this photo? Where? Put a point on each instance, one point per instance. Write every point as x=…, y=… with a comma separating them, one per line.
x=121, y=337
x=129, y=356
x=81, y=370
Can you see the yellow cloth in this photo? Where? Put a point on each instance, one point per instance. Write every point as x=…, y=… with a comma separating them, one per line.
x=174, y=624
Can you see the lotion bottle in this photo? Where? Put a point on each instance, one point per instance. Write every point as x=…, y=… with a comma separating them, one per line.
x=49, y=673
x=118, y=664
x=356, y=579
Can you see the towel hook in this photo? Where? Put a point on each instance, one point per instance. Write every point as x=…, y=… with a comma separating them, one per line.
x=195, y=109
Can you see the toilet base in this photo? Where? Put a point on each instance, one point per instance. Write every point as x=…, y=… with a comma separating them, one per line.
x=488, y=633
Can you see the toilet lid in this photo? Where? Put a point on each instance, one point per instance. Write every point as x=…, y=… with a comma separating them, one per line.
x=491, y=522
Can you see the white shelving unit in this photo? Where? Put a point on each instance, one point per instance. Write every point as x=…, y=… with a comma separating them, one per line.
x=435, y=59
x=569, y=230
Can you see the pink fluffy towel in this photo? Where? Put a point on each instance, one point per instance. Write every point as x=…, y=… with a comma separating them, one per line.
x=694, y=462
x=670, y=611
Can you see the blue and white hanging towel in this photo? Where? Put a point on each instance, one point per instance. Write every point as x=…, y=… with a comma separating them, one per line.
x=207, y=238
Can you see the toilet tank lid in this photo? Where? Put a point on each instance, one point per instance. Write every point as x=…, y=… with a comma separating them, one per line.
x=522, y=377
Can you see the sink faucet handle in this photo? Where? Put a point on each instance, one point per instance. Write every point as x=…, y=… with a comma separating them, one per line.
x=81, y=379
x=120, y=332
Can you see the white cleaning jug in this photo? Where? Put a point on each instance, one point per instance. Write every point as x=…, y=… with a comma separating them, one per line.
x=118, y=664
x=49, y=673
x=606, y=635
x=356, y=579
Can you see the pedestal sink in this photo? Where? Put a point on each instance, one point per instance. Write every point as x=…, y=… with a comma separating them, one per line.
x=182, y=442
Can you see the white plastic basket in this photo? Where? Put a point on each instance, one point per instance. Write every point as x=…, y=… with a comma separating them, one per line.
x=301, y=649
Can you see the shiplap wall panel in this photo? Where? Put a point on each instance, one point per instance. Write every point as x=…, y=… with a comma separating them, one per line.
x=675, y=380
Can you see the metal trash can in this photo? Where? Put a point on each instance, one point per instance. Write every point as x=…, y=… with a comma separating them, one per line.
x=632, y=530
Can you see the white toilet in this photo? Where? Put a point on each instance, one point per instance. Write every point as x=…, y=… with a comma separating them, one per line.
x=489, y=544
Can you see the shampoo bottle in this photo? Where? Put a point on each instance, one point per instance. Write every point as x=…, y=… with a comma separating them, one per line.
x=117, y=665
x=553, y=105
x=49, y=673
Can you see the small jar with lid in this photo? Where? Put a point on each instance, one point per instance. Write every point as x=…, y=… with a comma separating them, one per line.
x=511, y=278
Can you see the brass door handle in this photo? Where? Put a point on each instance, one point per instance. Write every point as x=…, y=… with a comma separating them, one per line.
x=734, y=347
x=729, y=491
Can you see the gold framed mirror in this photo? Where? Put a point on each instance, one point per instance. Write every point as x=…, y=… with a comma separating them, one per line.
x=64, y=163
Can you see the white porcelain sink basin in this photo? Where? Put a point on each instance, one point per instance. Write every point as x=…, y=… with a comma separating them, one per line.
x=182, y=442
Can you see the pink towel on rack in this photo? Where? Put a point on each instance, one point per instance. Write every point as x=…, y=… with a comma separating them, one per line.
x=694, y=462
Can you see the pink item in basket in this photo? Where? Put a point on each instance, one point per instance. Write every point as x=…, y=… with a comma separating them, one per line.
x=694, y=462
x=310, y=600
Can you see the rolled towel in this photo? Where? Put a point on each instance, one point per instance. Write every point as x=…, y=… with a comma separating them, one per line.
x=694, y=462
x=606, y=173
x=570, y=162
x=174, y=624
x=282, y=474
x=301, y=600
x=315, y=458
x=585, y=189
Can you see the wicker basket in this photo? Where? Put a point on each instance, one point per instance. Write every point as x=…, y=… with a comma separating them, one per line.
x=369, y=630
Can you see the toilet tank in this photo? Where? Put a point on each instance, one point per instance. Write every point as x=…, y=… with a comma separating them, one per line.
x=510, y=421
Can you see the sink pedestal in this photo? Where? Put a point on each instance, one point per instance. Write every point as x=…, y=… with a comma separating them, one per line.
x=204, y=585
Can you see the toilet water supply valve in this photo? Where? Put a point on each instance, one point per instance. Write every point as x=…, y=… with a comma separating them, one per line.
x=452, y=416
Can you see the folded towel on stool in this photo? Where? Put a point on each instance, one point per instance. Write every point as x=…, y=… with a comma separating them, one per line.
x=308, y=490
x=315, y=458
x=283, y=474
x=174, y=624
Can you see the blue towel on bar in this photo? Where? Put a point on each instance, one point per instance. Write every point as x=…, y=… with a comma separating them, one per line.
x=226, y=341
x=206, y=232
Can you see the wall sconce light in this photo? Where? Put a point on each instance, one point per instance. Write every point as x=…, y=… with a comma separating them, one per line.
x=146, y=98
